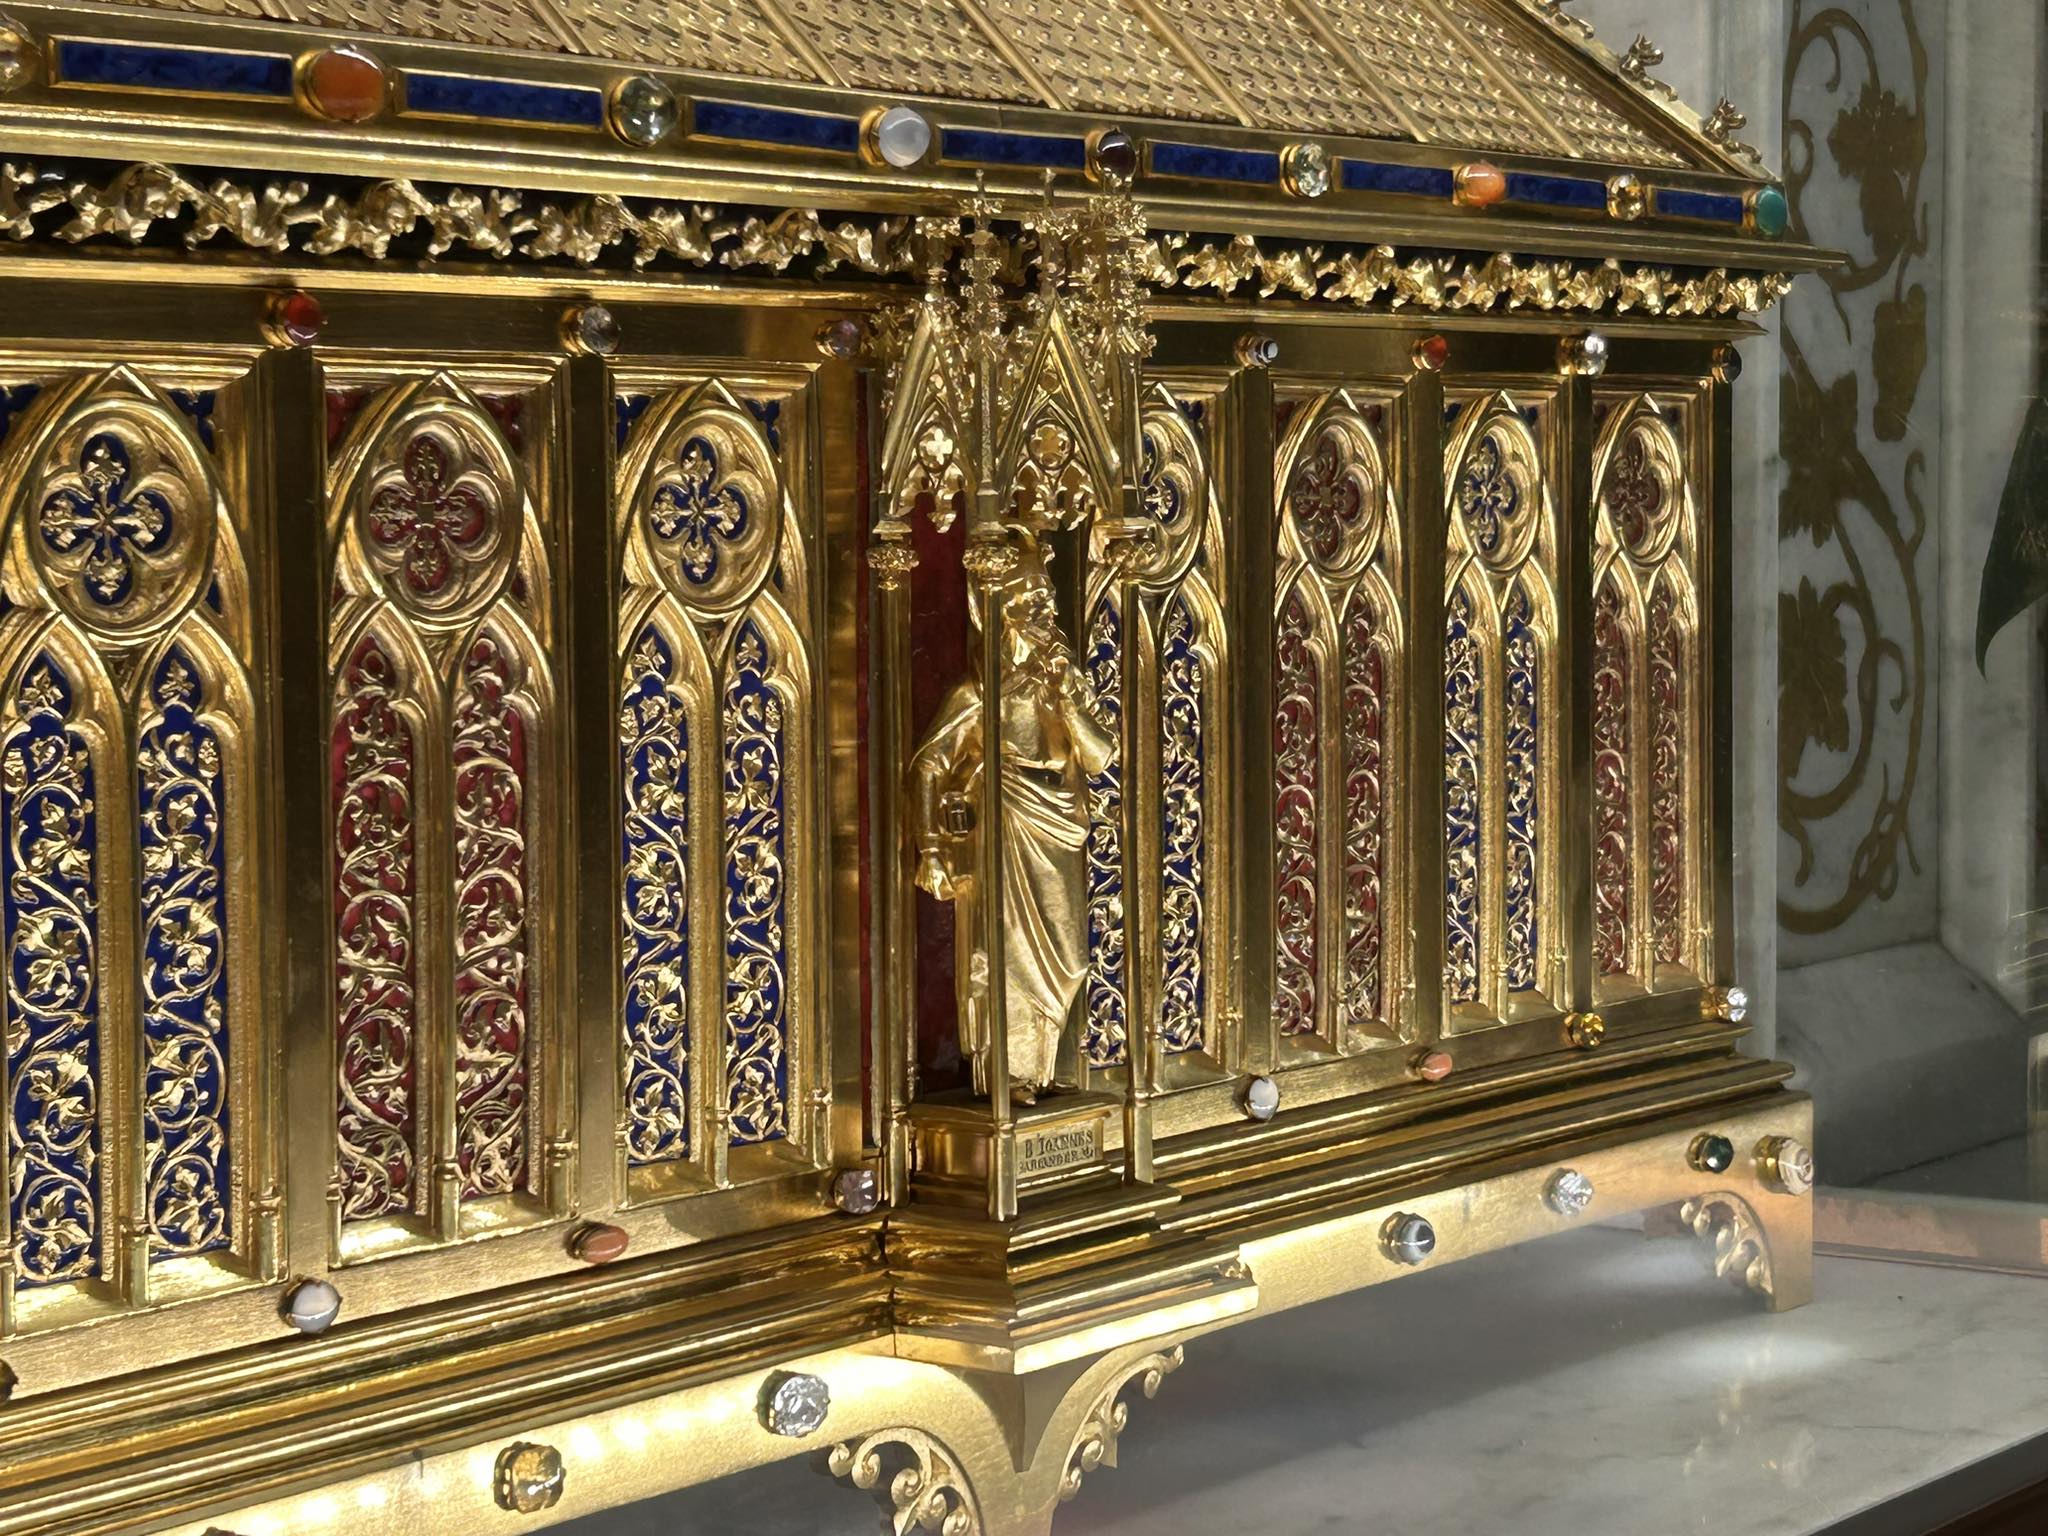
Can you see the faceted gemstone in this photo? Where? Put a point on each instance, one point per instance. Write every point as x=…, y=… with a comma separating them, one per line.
x=856, y=1191
x=1432, y=352
x=1738, y=1004
x=1728, y=368
x=1585, y=1030
x=1713, y=1154
x=1255, y=349
x=530, y=1478
x=1480, y=185
x=343, y=85
x=1569, y=1192
x=594, y=329
x=297, y=318
x=1307, y=169
x=599, y=1243
x=796, y=1405
x=1626, y=197
x=1585, y=354
x=899, y=136
x=1433, y=1066
x=1408, y=1238
x=841, y=339
x=1112, y=152
x=311, y=1306
x=1262, y=1098
x=17, y=58
x=643, y=110
x=1769, y=211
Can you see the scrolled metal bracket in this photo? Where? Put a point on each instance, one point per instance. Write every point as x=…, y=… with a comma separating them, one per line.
x=1095, y=1441
x=917, y=1482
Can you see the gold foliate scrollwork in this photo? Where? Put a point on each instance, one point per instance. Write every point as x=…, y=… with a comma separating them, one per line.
x=1095, y=1441
x=1741, y=1253
x=125, y=203
x=915, y=1480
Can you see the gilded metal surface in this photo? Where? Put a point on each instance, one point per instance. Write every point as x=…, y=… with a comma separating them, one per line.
x=582, y=915
x=1051, y=744
x=1446, y=71
x=1649, y=861
x=1502, y=743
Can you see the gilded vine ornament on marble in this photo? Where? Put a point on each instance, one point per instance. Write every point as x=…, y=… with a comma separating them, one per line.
x=1869, y=523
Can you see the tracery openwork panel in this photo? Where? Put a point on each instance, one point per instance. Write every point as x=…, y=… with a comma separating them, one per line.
x=1502, y=954
x=127, y=892
x=1649, y=851
x=1180, y=668
x=716, y=1047
x=442, y=765
x=1339, y=952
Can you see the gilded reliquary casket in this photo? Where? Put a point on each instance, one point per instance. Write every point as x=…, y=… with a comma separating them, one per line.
x=744, y=729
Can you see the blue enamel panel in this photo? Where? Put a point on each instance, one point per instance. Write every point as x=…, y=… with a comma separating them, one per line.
x=774, y=125
x=1207, y=162
x=1104, y=1030
x=504, y=101
x=1522, y=661
x=149, y=67
x=1383, y=176
x=50, y=901
x=756, y=896
x=1182, y=885
x=1557, y=191
x=988, y=146
x=181, y=813
x=654, y=767
x=1718, y=207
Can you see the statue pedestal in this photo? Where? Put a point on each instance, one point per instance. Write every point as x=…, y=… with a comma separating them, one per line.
x=1082, y=1268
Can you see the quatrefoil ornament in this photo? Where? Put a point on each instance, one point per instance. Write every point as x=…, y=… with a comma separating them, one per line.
x=123, y=509
x=707, y=500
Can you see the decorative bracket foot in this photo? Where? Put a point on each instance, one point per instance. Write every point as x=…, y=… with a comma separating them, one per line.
x=916, y=1481
x=1095, y=1441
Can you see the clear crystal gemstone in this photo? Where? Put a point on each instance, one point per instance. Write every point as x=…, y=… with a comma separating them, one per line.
x=796, y=1405
x=595, y=329
x=1308, y=169
x=902, y=137
x=643, y=110
x=856, y=1192
x=1738, y=1005
x=17, y=57
x=1569, y=1192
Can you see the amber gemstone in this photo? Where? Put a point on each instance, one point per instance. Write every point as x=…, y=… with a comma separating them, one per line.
x=1432, y=352
x=297, y=317
x=599, y=1243
x=344, y=85
x=1433, y=1066
x=1481, y=185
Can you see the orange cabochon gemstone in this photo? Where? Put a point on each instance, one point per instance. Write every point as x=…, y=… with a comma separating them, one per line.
x=599, y=1243
x=344, y=85
x=1432, y=352
x=1433, y=1066
x=1481, y=185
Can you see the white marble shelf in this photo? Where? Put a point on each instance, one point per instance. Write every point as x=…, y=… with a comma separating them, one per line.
x=1597, y=1384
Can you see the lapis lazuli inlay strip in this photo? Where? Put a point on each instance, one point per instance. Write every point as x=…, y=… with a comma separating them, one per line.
x=1206, y=162
x=773, y=125
x=1716, y=206
x=1561, y=191
x=149, y=67
x=989, y=147
x=1384, y=176
x=504, y=101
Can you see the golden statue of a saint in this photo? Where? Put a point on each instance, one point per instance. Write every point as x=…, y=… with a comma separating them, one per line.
x=1051, y=743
